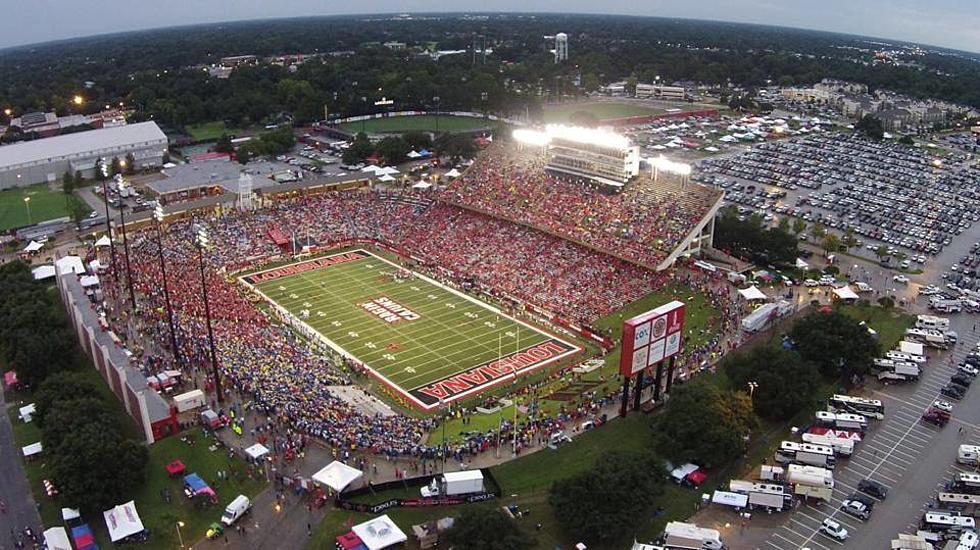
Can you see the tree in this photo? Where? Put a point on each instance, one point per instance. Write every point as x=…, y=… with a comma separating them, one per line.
x=881, y=252
x=243, y=155
x=870, y=127
x=907, y=140
x=392, y=150
x=783, y=224
x=115, y=167
x=224, y=145
x=600, y=505
x=359, y=149
x=849, y=241
x=62, y=386
x=831, y=243
x=785, y=383
x=79, y=180
x=130, y=164
x=799, y=226
x=482, y=529
x=818, y=230
x=455, y=146
x=590, y=82
x=417, y=140
x=95, y=469
x=837, y=344
x=750, y=238
x=630, y=87
x=704, y=424
x=64, y=416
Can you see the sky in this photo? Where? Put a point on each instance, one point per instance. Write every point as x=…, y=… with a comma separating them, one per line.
x=948, y=23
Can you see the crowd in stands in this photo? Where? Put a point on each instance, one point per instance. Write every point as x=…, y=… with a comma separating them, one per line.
x=642, y=224
x=278, y=373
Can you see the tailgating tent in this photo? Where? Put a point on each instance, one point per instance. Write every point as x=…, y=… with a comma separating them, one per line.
x=26, y=413
x=379, y=533
x=32, y=449
x=175, y=468
x=454, y=173
x=711, y=149
x=800, y=264
x=33, y=246
x=350, y=541
x=89, y=280
x=422, y=185
x=257, y=451
x=337, y=475
x=69, y=514
x=845, y=293
x=425, y=153
x=69, y=264
x=103, y=241
x=730, y=499
x=413, y=154
x=752, y=293
x=194, y=485
x=389, y=170
x=371, y=168
x=10, y=378
x=386, y=177
x=43, y=272
x=56, y=538
x=83, y=538
x=123, y=521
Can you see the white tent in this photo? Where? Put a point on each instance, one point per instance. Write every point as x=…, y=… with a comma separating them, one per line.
x=800, y=264
x=103, y=241
x=26, y=413
x=33, y=246
x=257, y=451
x=912, y=348
x=123, y=521
x=379, y=533
x=752, y=293
x=69, y=514
x=56, y=538
x=454, y=173
x=89, y=280
x=371, y=168
x=422, y=185
x=337, y=475
x=711, y=149
x=69, y=264
x=43, y=272
x=845, y=293
x=386, y=177
x=413, y=154
x=389, y=170
x=32, y=449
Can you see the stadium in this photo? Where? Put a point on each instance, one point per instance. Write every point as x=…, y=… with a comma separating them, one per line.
x=454, y=296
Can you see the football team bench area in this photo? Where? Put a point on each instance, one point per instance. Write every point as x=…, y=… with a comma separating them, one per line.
x=428, y=342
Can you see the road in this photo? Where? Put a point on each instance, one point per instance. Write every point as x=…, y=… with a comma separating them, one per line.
x=15, y=493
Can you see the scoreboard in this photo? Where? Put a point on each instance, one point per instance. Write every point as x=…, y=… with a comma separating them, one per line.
x=651, y=337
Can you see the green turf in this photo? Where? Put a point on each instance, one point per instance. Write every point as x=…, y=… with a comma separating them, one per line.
x=452, y=334
x=600, y=109
x=424, y=123
x=210, y=131
x=889, y=323
x=45, y=204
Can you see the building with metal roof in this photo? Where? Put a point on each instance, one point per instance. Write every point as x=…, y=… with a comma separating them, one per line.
x=46, y=160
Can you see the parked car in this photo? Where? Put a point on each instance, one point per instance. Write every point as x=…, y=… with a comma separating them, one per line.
x=942, y=405
x=962, y=379
x=834, y=530
x=936, y=417
x=873, y=488
x=856, y=508
x=954, y=391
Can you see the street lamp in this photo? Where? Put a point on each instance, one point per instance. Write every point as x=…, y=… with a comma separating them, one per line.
x=179, y=536
x=159, y=216
x=27, y=203
x=129, y=273
x=8, y=111
x=202, y=242
x=436, y=100
x=78, y=100
x=752, y=387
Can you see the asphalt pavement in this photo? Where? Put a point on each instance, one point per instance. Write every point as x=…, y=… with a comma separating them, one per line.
x=19, y=509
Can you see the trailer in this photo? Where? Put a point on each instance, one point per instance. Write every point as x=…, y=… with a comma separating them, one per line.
x=843, y=447
x=190, y=400
x=931, y=322
x=689, y=536
x=809, y=475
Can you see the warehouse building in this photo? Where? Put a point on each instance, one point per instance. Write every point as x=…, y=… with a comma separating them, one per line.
x=46, y=160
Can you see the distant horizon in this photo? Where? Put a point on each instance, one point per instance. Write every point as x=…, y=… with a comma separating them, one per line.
x=163, y=26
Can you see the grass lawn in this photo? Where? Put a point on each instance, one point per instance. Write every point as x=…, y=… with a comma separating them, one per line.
x=890, y=323
x=210, y=131
x=601, y=109
x=157, y=515
x=45, y=205
x=425, y=123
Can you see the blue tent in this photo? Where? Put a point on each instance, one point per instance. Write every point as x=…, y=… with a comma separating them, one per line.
x=195, y=483
x=424, y=153
x=83, y=537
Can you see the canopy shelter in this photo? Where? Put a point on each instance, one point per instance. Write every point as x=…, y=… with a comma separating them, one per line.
x=175, y=468
x=350, y=541
x=26, y=413
x=69, y=514
x=257, y=451
x=386, y=178
x=103, y=241
x=56, y=538
x=454, y=173
x=194, y=486
x=123, y=521
x=424, y=153
x=33, y=246
x=42, y=272
x=10, y=378
x=800, y=264
x=83, y=538
x=845, y=293
x=422, y=185
x=413, y=154
x=337, y=475
x=69, y=264
x=89, y=280
x=752, y=293
x=372, y=168
x=379, y=533
x=32, y=449
x=388, y=170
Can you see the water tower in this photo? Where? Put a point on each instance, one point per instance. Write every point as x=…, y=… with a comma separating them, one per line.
x=561, y=47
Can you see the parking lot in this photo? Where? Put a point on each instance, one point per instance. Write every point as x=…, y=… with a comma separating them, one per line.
x=907, y=455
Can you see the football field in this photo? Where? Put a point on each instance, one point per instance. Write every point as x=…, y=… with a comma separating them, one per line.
x=426, y=341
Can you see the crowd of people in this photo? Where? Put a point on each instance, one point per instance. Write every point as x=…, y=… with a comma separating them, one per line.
x=642, y=224
x=277, y=372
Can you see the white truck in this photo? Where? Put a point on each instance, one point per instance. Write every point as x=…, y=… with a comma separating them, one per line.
x=688, y=536
x=759, y=318
x=236, y=509
x=454, y=483
x=901, y=371
x=191, y=400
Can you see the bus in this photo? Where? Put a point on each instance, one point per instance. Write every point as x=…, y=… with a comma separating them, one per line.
x=843, y=447
x=856, y=405
x=842, y=421
x=959, y=502
x=947, y=521
x=806, y=453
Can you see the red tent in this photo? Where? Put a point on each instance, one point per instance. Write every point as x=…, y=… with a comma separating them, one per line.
x=10, y=378
x=697, y=477
x=175, y=468
x=350, y=541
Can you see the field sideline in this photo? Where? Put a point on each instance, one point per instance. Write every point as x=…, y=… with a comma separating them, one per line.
x=429, y=343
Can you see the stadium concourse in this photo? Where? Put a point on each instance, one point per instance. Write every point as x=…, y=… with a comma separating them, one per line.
x=271, y=369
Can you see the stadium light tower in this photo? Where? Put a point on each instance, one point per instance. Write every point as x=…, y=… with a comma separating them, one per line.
x=202, y=243
x=159, y=217
x=129, y=272
x=104, y=169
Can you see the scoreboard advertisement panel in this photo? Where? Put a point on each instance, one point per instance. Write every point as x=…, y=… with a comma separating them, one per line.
x=651, y=337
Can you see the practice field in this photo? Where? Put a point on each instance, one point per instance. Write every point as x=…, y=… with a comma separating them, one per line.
x=423, y=123
x=209, y=131
x=425, y=341
x=45, y=205
x=600, y=109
